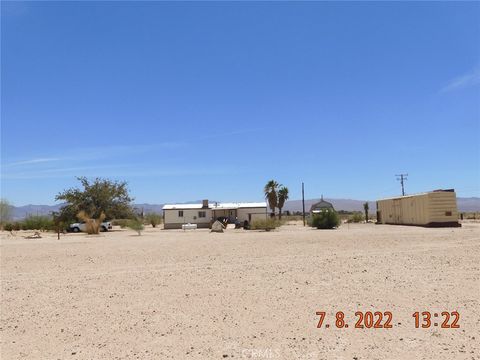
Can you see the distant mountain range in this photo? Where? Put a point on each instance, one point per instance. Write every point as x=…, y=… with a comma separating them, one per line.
x=464, y=205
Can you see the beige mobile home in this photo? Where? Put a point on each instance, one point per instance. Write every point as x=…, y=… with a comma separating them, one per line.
x=432, y=209
x=205, y=214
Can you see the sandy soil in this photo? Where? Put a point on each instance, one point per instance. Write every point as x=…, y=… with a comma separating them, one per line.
x=200, y=295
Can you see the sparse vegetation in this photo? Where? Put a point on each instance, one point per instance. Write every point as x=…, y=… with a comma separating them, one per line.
x=471, y=215
x=327, y=219
x=135, y=225
x=153, y=219
x=267, y=224
x=40, y=222
x=356, y=217
x=120, y=222
x=5, y=212
x=32, y=222
x=9, y=226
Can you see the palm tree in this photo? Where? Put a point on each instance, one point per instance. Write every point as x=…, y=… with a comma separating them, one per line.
x=270, y=191
x=365, y=207
x=282, y=197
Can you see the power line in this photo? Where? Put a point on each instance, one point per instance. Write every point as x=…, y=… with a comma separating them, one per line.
x=402, y=178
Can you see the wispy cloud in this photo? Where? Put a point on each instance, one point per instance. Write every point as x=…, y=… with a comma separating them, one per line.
x=113, y=160
x=33, y=161
x=470, y=79
x=95, y=153
x=115, y=151
x=122, y=171
x=61, y=172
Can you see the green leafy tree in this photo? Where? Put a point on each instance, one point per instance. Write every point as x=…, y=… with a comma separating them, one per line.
x=99, y=196
x=365, y=207
x=270, y=190
x=282, y=198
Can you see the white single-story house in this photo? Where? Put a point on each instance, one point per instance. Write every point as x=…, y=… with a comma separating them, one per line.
x=204, y=214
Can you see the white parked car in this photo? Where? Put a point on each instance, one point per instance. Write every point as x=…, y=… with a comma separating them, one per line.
x=80, y=226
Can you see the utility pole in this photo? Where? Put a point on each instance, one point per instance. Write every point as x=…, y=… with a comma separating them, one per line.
x=303, y=203
x=402, y=178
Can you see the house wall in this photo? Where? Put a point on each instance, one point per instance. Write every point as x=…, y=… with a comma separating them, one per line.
x=221, y=213
x=256, y=214
x=173, y=221
x=430, y=209
x=441, y=203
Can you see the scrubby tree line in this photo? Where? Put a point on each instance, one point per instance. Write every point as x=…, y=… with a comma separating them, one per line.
x=31, y=222
x=92, y=202
x=5, y=211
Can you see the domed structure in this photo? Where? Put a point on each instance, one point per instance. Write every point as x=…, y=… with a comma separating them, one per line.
x=320, y=206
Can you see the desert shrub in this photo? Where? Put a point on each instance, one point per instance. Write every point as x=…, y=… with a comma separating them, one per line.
x=8, y=227
x=355, y=218
x=265, y=224
x=293, y=217
x=92, y=226
x=5, y=211
x=12, y=226
x=154, y=219
x=135, y=225
x=472, y=216
x=38, y=222
x=325, y=220
x=120, y=222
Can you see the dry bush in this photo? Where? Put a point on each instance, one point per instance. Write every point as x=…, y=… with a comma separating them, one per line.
x=355, y=218
x=92, y=226
x=154, y=219
x=267, y=224
x=136, y=225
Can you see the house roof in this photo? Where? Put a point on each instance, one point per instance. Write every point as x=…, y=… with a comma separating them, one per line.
x=215, y=206
x=182, y=206
x=418, y=194
x=322, y=204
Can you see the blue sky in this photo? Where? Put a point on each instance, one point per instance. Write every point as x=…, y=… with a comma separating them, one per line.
x=210, y=100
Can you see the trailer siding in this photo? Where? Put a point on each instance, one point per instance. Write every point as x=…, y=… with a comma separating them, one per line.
x=436, y=208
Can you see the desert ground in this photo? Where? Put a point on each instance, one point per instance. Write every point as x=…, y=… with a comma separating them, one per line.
x=172, y=294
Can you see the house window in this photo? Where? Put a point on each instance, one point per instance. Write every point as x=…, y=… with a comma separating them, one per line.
x=180, y=213
x=448, y=213
x=202, y=214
